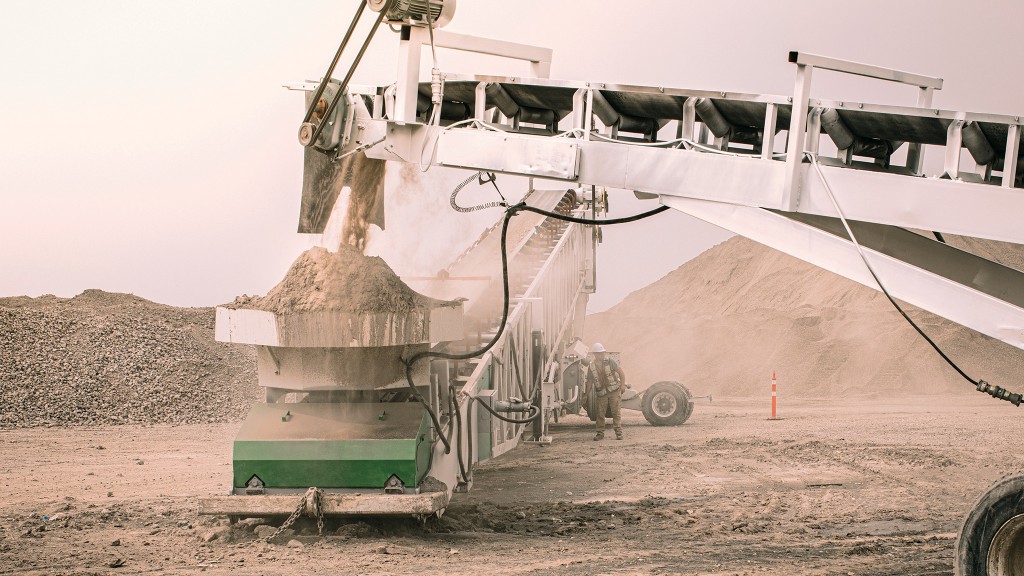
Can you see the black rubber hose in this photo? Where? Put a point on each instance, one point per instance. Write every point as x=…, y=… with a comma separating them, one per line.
x=610, y=221
x=511, y=420
x=453, y=405
x=509, y=213
x=980, y=385
x=512, y=211
x=430, y=412
x=501, y=328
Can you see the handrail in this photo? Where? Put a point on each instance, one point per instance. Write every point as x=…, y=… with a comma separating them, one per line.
x=866, y=70
x=557, y=287
x=798, y=137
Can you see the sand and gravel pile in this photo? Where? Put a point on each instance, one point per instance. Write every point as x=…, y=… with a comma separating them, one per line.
x=342, y=281
x=105, y=358
x=724, y=321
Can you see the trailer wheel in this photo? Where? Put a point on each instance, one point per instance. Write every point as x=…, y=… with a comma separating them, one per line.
x=991, y=542
x=667, y=404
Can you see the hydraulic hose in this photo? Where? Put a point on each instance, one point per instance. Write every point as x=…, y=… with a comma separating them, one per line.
x=533, y=410
x=982, y=386
x=510, y=212
x=453, y=407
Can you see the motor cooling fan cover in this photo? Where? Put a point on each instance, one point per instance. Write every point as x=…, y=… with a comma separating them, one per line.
x=414, y=12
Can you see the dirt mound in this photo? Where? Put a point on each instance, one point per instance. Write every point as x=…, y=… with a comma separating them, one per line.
x=562, y=519
x=346, y=281
x=107, y=358
x=724, y=321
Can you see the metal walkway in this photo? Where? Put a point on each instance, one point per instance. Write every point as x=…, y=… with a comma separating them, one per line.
x=550, y=278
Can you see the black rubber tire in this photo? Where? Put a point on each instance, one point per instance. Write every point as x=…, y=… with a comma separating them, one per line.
x=591, y=405
x=1002, y=506
x=572, y=384
x=681, y=409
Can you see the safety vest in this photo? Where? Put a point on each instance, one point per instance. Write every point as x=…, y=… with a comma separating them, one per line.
x=607, y=377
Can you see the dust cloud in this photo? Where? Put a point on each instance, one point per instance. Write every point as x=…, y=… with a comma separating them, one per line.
x=365, y=179
x=723, y=322
x=423, y=235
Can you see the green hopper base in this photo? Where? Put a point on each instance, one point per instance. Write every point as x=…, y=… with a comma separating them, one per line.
x=332, y=445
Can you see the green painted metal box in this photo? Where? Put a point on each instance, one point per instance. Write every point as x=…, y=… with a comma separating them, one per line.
x=332, y=445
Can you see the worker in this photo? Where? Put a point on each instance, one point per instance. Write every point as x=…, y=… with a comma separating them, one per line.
x=609, y=381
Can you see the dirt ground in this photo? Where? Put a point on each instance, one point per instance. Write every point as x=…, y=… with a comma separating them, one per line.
x=863, y=487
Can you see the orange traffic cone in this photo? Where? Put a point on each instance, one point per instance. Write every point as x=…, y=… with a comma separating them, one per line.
x=774, y=399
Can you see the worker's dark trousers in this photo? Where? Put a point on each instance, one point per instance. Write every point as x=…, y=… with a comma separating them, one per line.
x=613, y=401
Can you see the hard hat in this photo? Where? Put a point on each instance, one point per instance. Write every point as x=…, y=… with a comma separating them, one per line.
x=598, y=347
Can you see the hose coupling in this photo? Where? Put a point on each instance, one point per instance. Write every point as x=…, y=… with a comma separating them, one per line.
x=435, y=86
x=503, y=406
x=1000, y=393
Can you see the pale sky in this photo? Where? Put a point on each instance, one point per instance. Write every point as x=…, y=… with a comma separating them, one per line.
x=148, y=147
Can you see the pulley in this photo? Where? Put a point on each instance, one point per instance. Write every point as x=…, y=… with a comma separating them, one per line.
x=336, y=119
x=414, y=12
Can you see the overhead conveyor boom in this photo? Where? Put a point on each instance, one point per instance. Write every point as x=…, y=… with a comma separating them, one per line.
x=741, y=161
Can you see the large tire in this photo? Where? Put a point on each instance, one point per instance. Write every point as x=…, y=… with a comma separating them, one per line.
x=991, y=542
x=667, y=404
x=590, y=406
x=573, y=383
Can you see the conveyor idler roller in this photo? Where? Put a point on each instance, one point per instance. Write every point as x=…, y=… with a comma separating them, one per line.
x=538, y=116
x=454, y=111
x=712, y=118
x=845, y=139
x=977, y=144
x=502, y=99
x=609, y=116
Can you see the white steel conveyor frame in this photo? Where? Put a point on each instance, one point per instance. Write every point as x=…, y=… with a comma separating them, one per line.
x=724, y=165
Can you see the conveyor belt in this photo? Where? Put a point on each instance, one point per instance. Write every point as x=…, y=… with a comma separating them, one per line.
x=904, y=128
x=743, y=111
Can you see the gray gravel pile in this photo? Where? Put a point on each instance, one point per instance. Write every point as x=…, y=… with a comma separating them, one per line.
x=106, y=358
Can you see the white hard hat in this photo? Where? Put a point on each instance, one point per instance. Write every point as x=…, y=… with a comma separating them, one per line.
x=598, y=347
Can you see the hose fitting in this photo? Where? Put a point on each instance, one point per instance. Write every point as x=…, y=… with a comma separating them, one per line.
x=435, y=86
x=1000, y=393
x=513, y=406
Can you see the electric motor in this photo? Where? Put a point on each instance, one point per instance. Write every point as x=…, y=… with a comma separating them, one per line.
x=414, y=12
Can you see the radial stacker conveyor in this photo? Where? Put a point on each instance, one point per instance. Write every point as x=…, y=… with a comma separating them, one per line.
x=753, y=164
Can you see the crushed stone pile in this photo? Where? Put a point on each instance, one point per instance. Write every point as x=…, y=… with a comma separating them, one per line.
x=722, y=322
x=107, y=358
x=342, y=281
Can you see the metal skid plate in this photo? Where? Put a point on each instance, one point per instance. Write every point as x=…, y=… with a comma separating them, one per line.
x=418, y=505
